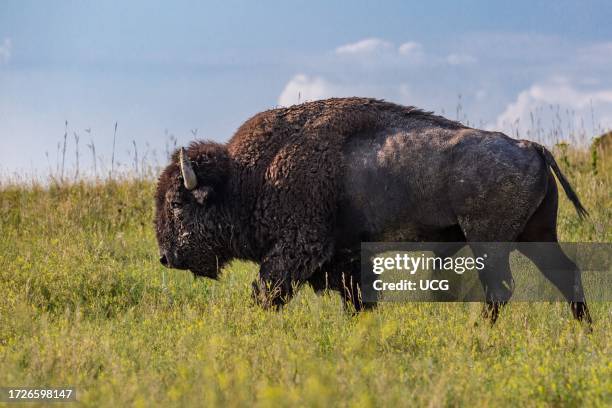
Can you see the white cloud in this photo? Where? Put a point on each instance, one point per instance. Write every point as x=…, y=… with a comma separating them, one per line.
x=303, y=88
x=365, y=46
x=411, y=51
x=376, y=45
x=542, y=100
x=410, y=48
x=5, y=50
x=460, y=59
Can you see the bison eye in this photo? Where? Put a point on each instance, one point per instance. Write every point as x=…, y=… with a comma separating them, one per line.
x=175, y=204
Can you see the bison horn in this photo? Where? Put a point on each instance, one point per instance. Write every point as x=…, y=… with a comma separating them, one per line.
x=189, y=176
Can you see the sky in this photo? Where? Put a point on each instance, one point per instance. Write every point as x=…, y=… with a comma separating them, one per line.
x=181, y=70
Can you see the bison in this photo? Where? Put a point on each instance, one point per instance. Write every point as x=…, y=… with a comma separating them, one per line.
x=298, y=189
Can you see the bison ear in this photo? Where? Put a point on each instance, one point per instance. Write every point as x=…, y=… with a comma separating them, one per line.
x=202, y=194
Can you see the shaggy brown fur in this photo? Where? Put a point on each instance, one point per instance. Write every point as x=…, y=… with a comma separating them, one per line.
x=297, y=189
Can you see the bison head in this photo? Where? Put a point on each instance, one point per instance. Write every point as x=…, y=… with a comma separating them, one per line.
x=189, y=214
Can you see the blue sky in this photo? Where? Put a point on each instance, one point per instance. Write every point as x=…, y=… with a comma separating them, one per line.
x=165, y=68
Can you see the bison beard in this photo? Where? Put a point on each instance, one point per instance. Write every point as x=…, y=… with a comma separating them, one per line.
x=298, y=189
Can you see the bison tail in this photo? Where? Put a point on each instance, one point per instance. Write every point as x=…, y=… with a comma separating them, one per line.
x=569, y=191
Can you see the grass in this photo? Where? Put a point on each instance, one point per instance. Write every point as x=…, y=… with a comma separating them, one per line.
x=85, y=303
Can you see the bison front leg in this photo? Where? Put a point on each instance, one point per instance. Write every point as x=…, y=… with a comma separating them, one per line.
x=284, y=270
x=273, y=288
x=344, y=276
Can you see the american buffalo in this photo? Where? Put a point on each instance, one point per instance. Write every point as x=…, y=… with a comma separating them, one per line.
x=298, y=189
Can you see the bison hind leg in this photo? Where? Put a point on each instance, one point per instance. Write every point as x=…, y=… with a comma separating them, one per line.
x=556, y=267
x=342, y=274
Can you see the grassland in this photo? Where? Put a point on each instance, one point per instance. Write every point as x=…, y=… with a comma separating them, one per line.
x=85, y=303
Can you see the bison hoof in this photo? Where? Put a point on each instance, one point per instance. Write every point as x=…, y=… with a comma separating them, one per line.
x=581, y=313
x=268, y=296
x=491, y=310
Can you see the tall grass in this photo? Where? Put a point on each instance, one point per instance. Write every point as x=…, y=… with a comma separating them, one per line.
x=85, y=303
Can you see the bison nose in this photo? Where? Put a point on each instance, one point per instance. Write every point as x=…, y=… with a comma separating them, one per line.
x=163, y=260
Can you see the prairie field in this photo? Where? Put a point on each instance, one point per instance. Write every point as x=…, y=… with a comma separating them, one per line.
x=85, y=303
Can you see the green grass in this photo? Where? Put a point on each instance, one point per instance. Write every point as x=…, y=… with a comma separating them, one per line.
x=85, y=303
